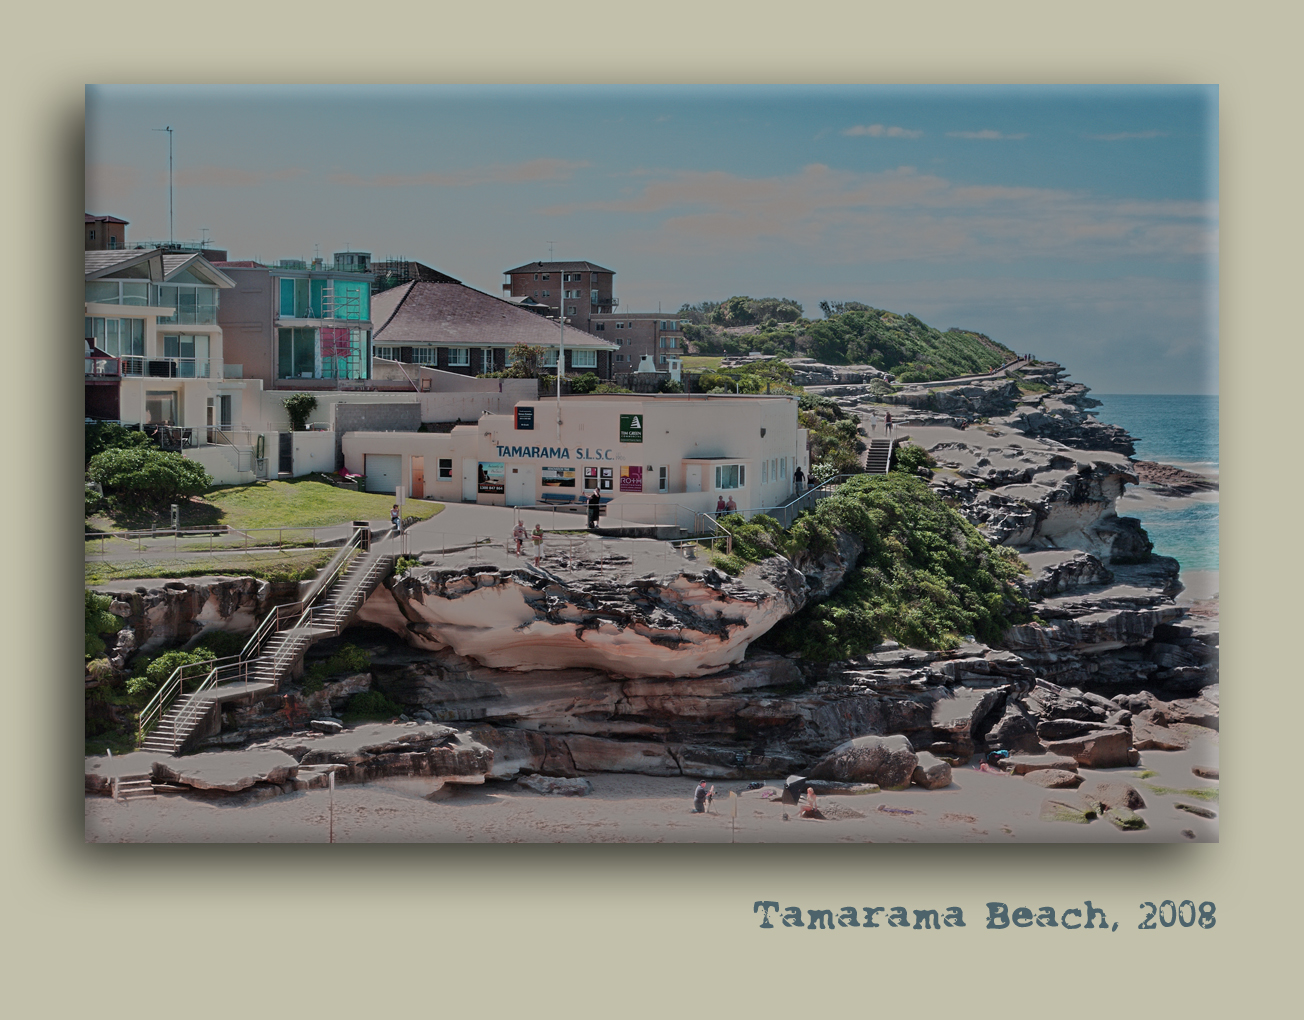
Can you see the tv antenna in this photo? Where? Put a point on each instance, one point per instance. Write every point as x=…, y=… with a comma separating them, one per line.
x=169, y=131
x=549, y=251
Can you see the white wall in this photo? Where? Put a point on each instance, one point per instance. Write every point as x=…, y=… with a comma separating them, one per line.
x=222, y=463
x=313, y=451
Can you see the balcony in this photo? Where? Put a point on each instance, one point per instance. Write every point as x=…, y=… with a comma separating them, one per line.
x=165, y=368
x=104, y=369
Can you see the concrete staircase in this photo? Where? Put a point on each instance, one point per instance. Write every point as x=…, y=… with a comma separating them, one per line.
x=279, y=652
x=878, y=459
x=135, y=787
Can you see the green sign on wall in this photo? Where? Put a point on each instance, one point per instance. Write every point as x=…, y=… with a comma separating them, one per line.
x=631, y=428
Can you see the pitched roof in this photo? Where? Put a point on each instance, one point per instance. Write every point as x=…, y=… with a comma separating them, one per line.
x=162, y=264
x=247, y=264
x=559, y=267
x=453, y=314
x=105, y=219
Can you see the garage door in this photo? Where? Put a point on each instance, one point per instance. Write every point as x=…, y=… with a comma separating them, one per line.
x=384, y=472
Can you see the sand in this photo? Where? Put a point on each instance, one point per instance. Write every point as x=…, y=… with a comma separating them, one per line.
x=978, y=807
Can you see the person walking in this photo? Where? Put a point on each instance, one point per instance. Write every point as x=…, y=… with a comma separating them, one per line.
x=720, y=506
x=537, y=538
x=873, y=421
x=887, y=422
x=595, y=504
x=731, y=506
x=394, y=519
x=518, y=536
x=797, y=479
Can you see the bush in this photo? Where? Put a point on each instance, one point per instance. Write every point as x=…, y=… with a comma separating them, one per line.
x=150, y=674
x=101, y=436
x=349, y=659
x=926, y=577
x=99, y=623
x=586, y=383
x=300, y=407
x=370, y=705
x=147, y=475
x=911, y=458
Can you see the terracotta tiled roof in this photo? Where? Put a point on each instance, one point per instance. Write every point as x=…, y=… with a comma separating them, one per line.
x=452, y=314
x=105, y=219
x=559, y=267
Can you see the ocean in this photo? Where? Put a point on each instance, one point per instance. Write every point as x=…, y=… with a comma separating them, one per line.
x=1182, y=430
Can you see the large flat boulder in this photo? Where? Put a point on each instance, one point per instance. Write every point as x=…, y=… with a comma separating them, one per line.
x=1099, y=749
x=888, y=761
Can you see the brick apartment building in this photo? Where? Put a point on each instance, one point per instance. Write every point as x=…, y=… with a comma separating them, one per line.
x=584, y=291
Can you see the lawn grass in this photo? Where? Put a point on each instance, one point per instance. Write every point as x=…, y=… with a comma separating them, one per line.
x=297, y=503
x=270, y=565
x=701, y=363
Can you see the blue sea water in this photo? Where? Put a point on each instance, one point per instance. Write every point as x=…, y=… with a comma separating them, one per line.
x=1182, y=430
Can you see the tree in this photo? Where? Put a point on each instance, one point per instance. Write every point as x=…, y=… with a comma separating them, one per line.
x=300, y=407
x=109, y=435
x=523, y=361
x=147, y=475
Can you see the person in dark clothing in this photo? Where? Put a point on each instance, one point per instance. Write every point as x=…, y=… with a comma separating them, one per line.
x=595, y=502
x=797, y=479
x=699, y=797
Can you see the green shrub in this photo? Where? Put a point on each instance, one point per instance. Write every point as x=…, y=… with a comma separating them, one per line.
x=370, y=705
x=299, y=407
x=349, y=659
x=99, y=623
x=911, y=458
x=101, y=436
x=150, y=674
x=586, y=383
x=926, y=577
x=146, y=475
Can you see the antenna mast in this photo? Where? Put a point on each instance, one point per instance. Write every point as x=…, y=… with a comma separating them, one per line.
x=169, y=131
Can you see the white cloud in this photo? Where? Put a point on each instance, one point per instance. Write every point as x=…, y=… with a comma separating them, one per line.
x=845, y=216
x=987, y=134
x=1124, y=136
x=881, y=131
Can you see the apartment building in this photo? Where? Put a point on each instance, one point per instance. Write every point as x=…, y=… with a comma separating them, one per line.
x=577, y=290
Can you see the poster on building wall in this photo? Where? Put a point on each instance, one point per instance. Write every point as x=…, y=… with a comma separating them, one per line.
x=334, y=342
x=631, y=478
x=558, y=477
x=590, y=478
x=525, y=419
x=631, y=428
x=608, y=477
x=490, y=477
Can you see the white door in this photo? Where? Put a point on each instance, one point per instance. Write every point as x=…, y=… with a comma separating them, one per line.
x=693, y=478
x=470, y=488
x=384, y=472
x=520, y=486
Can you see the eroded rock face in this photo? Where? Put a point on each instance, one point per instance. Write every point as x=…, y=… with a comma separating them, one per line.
x=685, y=625
x=179, y=612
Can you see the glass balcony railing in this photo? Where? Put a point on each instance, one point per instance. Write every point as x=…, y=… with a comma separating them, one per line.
x=166, y=368
x=102, y=368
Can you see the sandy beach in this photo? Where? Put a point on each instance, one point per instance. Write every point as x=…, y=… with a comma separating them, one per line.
x=978, y=807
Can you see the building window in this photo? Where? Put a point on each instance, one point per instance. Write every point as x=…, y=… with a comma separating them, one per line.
x=536, y=276
x=92, y=235
x=783, y=468
x=765, y=471
x=600, y=327
x=663, y=479
x=296, y=353
x=593, y=297
x=445, y=467
x=486, y=359
x=424, y=356
x=114, y=292
x=584, y=359
x=547, y=293
x=549, y=359
x=123, y=338
x=620, y=357
x=730, y=476
x=459, y=357
x=193, y=306
x=388, y=353
x=620, y=325
x=547, y=276
x=190, y=353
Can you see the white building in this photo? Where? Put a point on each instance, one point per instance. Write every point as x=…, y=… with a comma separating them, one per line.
x=645, y=454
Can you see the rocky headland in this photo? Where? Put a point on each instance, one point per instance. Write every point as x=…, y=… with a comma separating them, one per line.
x=568, y=671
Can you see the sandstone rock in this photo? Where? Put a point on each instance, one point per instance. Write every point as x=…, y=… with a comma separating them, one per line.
x=1125, y=818
x=931, y=773
x=1205, y=771
x=1024, y=764
x=227, y=771
x=1149, y=735
x=888, y=762
x=1016, y=730
x=1062, y=729
x=1117, y=795
x=1054, y=779
x=326, y=725
x=1099, y=749
x=556, y=786
x=1194, y=809
x=1054, y=810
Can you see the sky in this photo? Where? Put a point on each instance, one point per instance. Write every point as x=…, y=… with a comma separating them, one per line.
x=1079, y=224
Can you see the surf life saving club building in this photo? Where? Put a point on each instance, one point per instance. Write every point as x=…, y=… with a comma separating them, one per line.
x=646, y=455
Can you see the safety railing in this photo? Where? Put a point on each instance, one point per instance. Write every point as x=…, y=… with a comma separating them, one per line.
x=788, y=512
x=174, y=686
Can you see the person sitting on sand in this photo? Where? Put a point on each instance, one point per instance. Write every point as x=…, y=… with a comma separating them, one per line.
x=809, y=807
x=699, y=798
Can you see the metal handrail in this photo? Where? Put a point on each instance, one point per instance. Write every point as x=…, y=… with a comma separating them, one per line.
x=176, y=680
